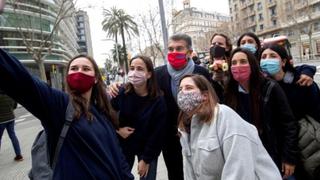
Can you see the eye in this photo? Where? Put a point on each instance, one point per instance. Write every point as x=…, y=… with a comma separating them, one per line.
x=263, y=56
x=242, y=42
x=86, y=68
x=243, y=61
x=73, y=68
x=234, y=62
x=131, y=68
x=170, y=49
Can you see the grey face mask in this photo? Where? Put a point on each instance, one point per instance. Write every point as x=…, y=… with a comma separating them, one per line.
x=288, y=77
x=188, y=101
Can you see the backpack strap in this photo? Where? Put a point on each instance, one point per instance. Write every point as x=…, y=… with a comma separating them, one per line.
x=63, y=134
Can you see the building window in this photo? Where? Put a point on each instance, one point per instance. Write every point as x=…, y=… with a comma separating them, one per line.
x=316, y=8
x=259, y=6
x=260, y=17
x=316, y=26
x=80, y=18
x=318, y=47
x=273, y=11
x=290, y=33
x=274, y=22
x=252, y=18
x=261, y=27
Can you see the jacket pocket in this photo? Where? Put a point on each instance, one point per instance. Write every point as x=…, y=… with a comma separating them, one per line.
x=210, y=157
x=208, y=144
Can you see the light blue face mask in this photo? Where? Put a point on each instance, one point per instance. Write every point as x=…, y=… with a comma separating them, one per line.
x=250, y=47
x=270, y=66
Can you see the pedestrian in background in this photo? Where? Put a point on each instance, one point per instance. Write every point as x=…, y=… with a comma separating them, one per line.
x=216, y=142
x=142, y=117
x=7, y=106
x=90, y=149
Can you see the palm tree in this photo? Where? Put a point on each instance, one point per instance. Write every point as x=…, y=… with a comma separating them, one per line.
x=120, y=53
x=118, y=21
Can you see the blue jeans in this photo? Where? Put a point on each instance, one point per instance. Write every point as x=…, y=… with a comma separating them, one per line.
x=152, y=173
x=14, y=140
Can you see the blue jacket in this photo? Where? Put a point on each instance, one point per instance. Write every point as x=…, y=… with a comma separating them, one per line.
x=90, y=150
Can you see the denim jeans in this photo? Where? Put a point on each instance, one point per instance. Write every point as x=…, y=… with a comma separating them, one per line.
x=14, y=140
x=152, y=173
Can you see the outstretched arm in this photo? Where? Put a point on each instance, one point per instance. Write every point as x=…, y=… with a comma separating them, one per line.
x=36, y=96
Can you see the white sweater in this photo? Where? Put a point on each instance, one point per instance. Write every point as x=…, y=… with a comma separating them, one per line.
x=228, y=148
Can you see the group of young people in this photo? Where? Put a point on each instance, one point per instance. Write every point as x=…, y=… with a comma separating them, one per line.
x=241, y=126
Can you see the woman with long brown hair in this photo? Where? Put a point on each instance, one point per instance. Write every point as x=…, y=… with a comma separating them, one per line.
x=142, y=113
x=90, y=149
x=216, y=142
x=262, y=102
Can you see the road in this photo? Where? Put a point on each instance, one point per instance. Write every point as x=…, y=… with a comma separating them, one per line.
x=27, y=127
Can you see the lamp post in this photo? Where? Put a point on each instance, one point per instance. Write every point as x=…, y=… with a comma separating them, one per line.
x=164, y=28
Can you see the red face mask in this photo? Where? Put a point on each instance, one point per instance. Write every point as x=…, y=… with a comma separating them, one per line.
x=241, y=73
x=80, y=82
x=177, y=60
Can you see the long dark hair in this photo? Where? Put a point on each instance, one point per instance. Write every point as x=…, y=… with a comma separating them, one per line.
x=255, y=84
x=98, y=97
x=206, y=109
x=152, y=85
x=256, y=39
x=281, y=51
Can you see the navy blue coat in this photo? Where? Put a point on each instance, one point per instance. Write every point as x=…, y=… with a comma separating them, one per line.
x=90, y=150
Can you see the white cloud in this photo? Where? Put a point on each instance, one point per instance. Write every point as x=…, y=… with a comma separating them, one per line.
x=132, y=7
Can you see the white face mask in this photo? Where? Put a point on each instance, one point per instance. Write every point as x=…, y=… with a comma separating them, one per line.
x=137, y=77
x=188, y=101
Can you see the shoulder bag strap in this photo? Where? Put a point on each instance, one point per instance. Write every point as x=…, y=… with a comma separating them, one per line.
x=63, y=134
x=270, y=86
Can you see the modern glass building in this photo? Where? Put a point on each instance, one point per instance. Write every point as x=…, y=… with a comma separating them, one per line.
x=32, y=21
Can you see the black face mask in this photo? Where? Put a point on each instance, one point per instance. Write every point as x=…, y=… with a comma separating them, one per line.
x=217, y=51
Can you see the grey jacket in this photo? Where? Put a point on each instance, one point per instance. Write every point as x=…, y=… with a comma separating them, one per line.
x=228, y=148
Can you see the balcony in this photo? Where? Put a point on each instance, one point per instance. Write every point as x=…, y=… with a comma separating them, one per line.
x=272, y=3
x=250, y=2
x=251, y=13
x=251, y=24
x=300, y=5
x=273, y=16
x=311, y=2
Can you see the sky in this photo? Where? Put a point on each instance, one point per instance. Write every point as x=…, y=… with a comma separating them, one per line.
x=94, y=8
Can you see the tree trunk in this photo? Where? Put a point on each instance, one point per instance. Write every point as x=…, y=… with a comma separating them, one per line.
x=42, y=70
x=124, y=50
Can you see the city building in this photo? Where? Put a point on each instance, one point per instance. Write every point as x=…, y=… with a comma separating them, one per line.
x=30, y=22
x=198, y=24
x=299, y=20
x=84, y=33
